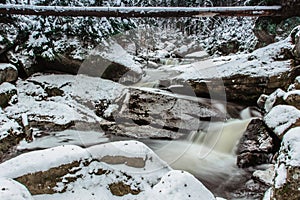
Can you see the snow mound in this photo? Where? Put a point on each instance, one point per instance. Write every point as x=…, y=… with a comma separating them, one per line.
x=180, y=185
x=12, y=190
x=281, y=118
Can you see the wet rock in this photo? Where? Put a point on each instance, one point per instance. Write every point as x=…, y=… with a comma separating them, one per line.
x=162, y=111
x=256, y=145
x=281, y=118
x=287, y=168
x=8, y=73
x=8, y=93
x=12, y=190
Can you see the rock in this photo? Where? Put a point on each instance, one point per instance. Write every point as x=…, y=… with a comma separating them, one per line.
x=12, y=190
x=256, y=145
x=241, y=79
x=162, y=111
x=274, y=99
x=287, y=168
x=8, y=93
x=56, y=102
x=101, y=171
x=293, y=98
x=295, y=36
x=10, y=135
x=228, y=47
x=265, y=176
x=282, y=118
x=112, y=62
x=8, y=73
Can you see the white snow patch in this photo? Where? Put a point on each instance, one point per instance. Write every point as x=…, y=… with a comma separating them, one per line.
x=280, y=179
x=271, y=100
x=281, y=118
x=291, y=144
x=41, y=160
x=179, y=185
x=12, y=190
x=4, y=66
x=7, y=87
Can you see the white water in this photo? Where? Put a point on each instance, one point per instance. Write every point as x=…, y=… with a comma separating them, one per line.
x=209, y=156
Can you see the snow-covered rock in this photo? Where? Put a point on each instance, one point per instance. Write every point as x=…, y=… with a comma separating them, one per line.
x=115, y=170
x=274, y=99
x=293, y=98
x=152, y=113
x=281, y=118
x=111, y=61
x=12, y=190
x=287, y=168
x=8, y=73
x=243, y=77
x=265, y=176
x=180, y=185
x=61, y=100
x=8, y=93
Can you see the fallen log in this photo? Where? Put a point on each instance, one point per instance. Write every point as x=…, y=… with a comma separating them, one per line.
x=135, y=12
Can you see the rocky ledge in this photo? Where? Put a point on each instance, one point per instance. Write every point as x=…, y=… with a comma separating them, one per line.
x=110, y=171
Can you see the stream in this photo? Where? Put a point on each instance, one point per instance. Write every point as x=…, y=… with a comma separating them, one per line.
x=209, y=155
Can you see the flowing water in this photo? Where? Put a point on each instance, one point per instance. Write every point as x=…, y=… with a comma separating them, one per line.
x=209, y=156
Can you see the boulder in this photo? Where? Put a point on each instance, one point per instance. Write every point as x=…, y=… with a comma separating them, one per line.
x=293, y=98
x=8, y=93
x=126, y=169
x=287, y=168
x=274, y=99
x=242, y=78
x=56, y=102
x=256, y=146
x=168, y=114
x=8, y=73
x=281, y=118
x=112, y=62
x=12, y=190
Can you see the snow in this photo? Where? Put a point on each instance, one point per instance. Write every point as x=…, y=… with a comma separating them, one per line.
x=271, y=100
x=265, y=176
x=74, y=137
x=265, y=64
x=281, y=118
x=7, y=124
x=41, y=160
x=281, y=176
x=179, y=185
x=6, y=87
x=12, y=190
x=291, y=144
x=155, y=179
x=116, y=53
x=268, y=194
x=78, y=91
x=4, y=66
x=198, y=54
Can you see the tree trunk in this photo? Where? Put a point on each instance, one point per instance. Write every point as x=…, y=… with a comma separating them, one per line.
x=163, y=12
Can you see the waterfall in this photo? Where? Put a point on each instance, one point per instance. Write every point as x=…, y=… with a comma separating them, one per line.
x=208, y=155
